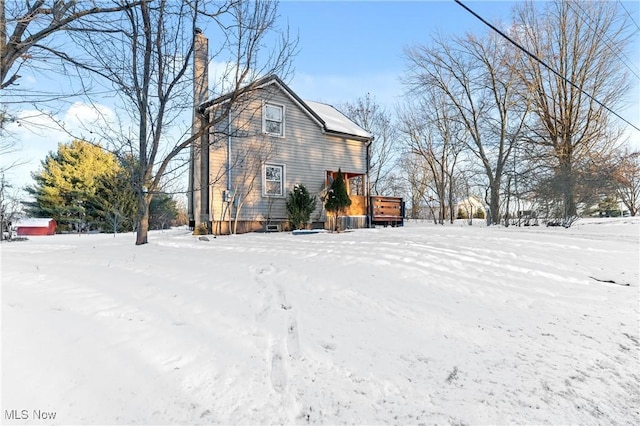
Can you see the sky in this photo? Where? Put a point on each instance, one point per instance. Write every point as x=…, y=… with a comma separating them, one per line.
x=349, y=49
x=346, y=50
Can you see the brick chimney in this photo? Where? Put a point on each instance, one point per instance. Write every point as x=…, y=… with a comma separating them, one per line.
x=198, y=209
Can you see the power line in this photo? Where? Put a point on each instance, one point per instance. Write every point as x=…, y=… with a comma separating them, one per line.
x=616, y=52
x=631, y=17
x=545, y=64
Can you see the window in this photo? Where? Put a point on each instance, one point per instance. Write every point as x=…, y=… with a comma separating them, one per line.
x=273, y=180
x=273, y=119
x=356, y=185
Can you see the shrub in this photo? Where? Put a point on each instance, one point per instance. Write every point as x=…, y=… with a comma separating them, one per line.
x=338, y=199
x=201, y=229
x=300, y=205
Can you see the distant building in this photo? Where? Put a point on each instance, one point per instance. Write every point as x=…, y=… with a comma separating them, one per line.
x=35, y=226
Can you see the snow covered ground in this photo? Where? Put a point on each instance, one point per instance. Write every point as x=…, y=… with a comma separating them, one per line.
x=417, y=325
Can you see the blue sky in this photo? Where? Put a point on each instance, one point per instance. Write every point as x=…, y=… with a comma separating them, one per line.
x=350, y=48
x=347, y=49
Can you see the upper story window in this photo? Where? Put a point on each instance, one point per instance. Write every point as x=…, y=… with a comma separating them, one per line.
x=273, y=119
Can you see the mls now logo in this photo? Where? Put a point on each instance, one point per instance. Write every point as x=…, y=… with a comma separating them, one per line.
x=26, y=415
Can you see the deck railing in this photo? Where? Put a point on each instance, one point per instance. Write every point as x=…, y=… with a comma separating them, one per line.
x=387, y=210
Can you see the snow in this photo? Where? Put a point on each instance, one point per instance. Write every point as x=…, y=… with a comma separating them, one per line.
x=423, y=324
x=33, y=223
x=336, y=121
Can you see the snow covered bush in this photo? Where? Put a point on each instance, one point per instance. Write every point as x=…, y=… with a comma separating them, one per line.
x=300, y=205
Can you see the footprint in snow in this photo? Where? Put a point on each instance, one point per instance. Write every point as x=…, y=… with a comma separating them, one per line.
x=293, y=339
x=278, y=375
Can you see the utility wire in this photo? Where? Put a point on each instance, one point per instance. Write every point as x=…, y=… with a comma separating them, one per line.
x=545, y=64
x=631, y=17
x=616, y=52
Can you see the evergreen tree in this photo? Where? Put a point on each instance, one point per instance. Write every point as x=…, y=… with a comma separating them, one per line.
x=77, y=185
x=300, y=205
x=162, y=211
x=337, y=200
x=114, y=204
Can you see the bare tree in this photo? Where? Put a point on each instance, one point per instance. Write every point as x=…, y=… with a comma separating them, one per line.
x=146, y=58
x=8, y=145
x=478, y=78
x=372, y=117
x=28, y=30
x=626, y=179
x=10, y=207
x=245, y=178
x=248, y=157
x=418, y=184
x=572, y=98
x=436, y=138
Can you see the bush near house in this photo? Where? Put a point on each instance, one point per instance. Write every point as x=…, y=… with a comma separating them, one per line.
x=477, y=213
x=337, y=200
x=201, y=230
x=300, y=205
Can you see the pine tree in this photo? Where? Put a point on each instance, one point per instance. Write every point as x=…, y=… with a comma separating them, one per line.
x=300, y=205
x=114, y=203
x=337, y=200
x=162, y=211
x=68, y=183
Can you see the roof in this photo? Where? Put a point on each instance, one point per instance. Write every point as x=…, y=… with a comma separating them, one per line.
x=330, y=119
x=336, y=121
x=33, y=223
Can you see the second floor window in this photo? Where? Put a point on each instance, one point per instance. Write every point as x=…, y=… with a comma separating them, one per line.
x=273, y=119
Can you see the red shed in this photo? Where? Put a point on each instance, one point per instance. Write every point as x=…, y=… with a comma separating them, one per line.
x=36, y=227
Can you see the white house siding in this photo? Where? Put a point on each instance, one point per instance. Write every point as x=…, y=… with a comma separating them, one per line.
x=305, y=151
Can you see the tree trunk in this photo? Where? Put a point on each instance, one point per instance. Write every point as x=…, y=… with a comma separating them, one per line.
x=494, y=203
x=452, y=209
x=568, y=183
x=142, y=229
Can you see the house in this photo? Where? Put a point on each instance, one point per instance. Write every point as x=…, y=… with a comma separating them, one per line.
x=471, y=207
x=263, y=143
x=35, y=226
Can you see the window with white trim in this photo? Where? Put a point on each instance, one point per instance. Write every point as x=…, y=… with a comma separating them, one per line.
x=273, y=180
x=273, y=119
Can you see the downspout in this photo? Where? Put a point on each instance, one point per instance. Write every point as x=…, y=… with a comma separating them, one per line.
x=229, y=150
x=230, y=197
x=367, y=199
